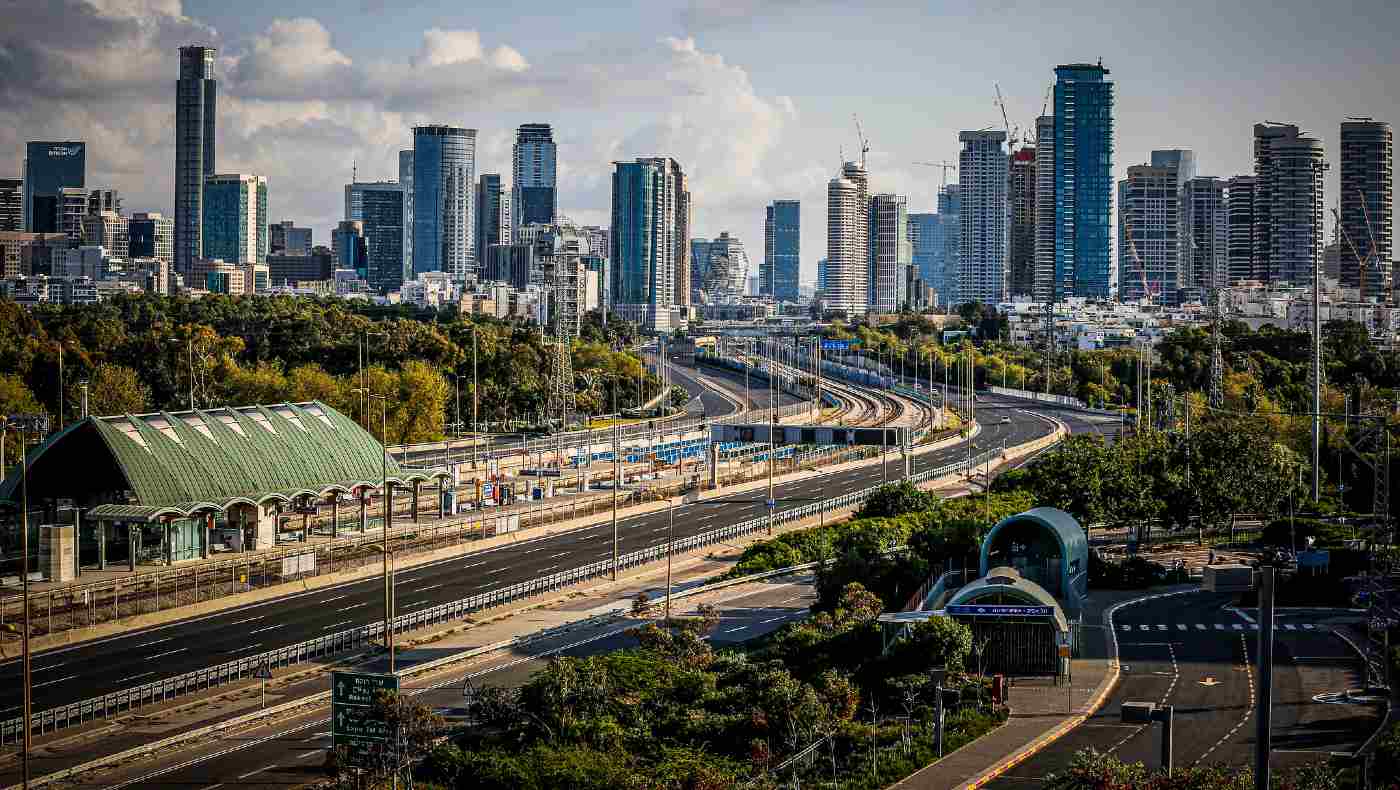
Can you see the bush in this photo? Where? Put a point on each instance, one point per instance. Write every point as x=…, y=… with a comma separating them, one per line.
x=1133, y=573
x=896, y=499
x=1281, y=533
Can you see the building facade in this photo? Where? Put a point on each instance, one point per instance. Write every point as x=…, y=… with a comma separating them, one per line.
x=1020, y=257
x=1204, y=237
x=351, y=251
x=1045, y=186
x=1148, y=224
x=650, y=240
x=406, y=178
x=706, y=286
x=847, y=283
x=782, y=251
x=382, y=208
x=1083, y=181
x=492, y=213
x=1289, y=171
x=923, y=253
x=444, y=174
x=49, y=168
x=108, y=230
x=235, y=218
x=196, y=112
x=1239, y=201
x=982, y=181
x=285, y=238
x=11, y=205
x=1367, y=207
x=534, y=171
x=151, y=235
x=890, y=253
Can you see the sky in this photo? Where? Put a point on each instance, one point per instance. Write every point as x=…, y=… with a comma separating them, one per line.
x=755, y=98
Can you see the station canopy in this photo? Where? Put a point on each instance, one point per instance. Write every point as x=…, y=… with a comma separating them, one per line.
x=173, y=464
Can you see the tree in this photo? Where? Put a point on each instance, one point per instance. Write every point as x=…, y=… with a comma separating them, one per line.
x=895, y=499
x=1071, y=477
x=116, y=389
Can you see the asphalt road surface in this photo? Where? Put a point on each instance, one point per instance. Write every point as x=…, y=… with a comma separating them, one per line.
x=292, y=752
x=1187, y=651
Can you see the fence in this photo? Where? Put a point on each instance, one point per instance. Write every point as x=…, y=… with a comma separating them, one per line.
x=104, y=706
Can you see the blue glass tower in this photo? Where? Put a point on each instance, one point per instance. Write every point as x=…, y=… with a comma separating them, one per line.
x=1083, y=180
x=782, y=250
x=633, y=249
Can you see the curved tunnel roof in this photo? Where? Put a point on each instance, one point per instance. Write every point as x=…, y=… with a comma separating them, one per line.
x=1062, y=525
x=1009, y=582
x=184, y=462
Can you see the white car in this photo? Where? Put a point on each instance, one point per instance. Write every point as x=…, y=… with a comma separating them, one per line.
x=1006, y=420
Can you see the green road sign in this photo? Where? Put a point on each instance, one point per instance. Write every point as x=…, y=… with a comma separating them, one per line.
x=358, y=723
x=359, y=688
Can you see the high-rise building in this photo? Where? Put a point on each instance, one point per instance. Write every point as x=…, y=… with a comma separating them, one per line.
x=1148, y=221
x=982, y=181
x=1289, y=168
x=821, y=274
x=285, y=238
x=151, y=235
x=1239, y=200
x=1205, y=237
x=533, y=175
x=351, y=251
x=196, y=111
x=923, y=234
x=287, y=269
x=949, y=240
x=736, y=267
x=493, y=215
x=1083, y=145
x=380, y=207
x=699, y=267
x=847, y=288
x=49, y=168
x=406, y=178
x=1367, y=198
x=100, y=200
x=1020, y=258
x=109, y=230
x=1044, y=209
x=11, y=205
x=72, y=208
x=444, y=175
x=890, y=253
x=650, y=256
x=782, y=250
x=235, y=218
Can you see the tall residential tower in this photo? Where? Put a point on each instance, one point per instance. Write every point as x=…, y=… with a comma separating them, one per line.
x=444, y=172
x=982, y=181
x=196, y=109
x=1083, y=180
x=782, y=247
x=1367, y=174
x=534, y=175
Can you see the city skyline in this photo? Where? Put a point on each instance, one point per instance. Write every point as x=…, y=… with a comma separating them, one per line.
x=719, y=101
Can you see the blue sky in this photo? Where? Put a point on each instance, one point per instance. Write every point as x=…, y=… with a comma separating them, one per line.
x=755, y=99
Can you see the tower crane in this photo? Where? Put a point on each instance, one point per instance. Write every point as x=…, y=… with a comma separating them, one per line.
x=1012, y=136
x=945, y=164
x=864, y=143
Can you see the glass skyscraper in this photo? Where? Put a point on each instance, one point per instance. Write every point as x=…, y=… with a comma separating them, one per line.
x=444, y=165
x=1083, y=181
x=650, y=256
x=49, y=168
x=235, y=218
x=382, y=208
x=533, y=175
x=196, y=105
x=782, y=248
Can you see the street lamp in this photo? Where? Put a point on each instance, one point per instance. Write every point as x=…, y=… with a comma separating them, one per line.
x=25, y=424
x=388, y=509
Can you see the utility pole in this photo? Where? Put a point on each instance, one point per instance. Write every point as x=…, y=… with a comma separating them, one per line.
x=191, y=357
x=1263, y=704
x=388, y=510
x=39, y=425
x=772, y=444
x=1316, y=367
x=476, y=429
x=617, y=478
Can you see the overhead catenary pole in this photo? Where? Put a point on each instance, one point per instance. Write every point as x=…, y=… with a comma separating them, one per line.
x=617, y=477
x=1316, y=368
x=1263, y=705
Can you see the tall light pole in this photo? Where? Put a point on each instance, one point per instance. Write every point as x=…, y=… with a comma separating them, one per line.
x=38, y=424
x=617, y=475
x=476, y=429
x=1317, y=349
x=388, y=509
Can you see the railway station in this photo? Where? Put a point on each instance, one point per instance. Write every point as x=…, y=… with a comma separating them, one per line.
x=174, y=486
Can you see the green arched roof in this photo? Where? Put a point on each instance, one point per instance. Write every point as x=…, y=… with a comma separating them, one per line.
x=1073, y=543
x=192, y=460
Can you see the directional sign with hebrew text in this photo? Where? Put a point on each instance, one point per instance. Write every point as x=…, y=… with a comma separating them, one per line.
x=355, y=722
x=999, y=611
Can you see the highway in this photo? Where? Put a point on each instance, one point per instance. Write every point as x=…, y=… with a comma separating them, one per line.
x=97, y=667
x=1189, y=652
x=291, y=752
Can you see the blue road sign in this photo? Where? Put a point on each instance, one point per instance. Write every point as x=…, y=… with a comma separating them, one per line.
x=999, y=611
x=836, y=345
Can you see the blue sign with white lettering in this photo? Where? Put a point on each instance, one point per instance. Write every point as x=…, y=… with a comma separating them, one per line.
x=999, y=611
x=836, y=345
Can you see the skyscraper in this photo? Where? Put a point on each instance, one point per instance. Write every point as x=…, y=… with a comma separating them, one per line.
x=1045, y=209
x=108, y=230
x=406, y=178
x=1083, y=180
x=782, y=250
x=650, y=255
x=235, y=218
x=847, y=287
x=351, y=250
x=699, y=266
x=444, y=167
x=890, y=253
x=49, y=168
x=1148, y=218
x=736, y=265
x=1288, y=203
x=1367, y=175
x=285, y=238
x=1239, y=201
x=11, y=205
x=923, y=234
x=1205, y=237
x=151, y=235
x=982, y=182
x=1022, y=199
x=533, y=175
x=196, y=109
x=380, y=207
x=493, y=216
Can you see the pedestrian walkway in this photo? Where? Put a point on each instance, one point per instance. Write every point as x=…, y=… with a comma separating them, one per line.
x=1175, y=627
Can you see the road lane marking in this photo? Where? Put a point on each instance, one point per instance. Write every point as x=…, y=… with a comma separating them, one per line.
x=50, y=666
x=260, y=770
x=266, y=628
x=421, y=589
x=332, y=598
x=246, y=649
x=247, y=620
x=333, y=625
x=732, y=630
x=770, y=620
x=51, y=682
x=1219, y=627
x=355, y=606
x=166, y=653
x=158, y=641
x=133, y=677
x=1181, y=626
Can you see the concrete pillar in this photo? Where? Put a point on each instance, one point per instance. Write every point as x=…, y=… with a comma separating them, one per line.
x=388, y=509
x=169, y=555
x=714, y=466
x=78, y=543
x=101, y=528
x=413, y=505
x=305, y=527
x=132, y=537
x=364, y=517
x=335, y=515
x=442, y=498
x=206, y=536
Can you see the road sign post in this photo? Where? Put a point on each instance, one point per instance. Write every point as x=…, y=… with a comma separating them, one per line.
x=355, y=722
x=264, y=674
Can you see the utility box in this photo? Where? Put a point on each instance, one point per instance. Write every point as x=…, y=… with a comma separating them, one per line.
x=1227, y=578
x=56, y=547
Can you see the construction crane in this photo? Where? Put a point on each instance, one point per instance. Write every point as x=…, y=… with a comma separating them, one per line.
x=1361, y=262
x=864, y=143
x=945, y=164
x=1012, y=136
